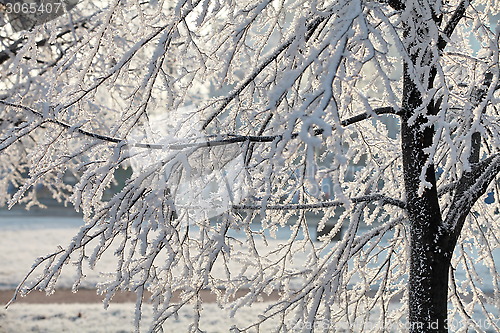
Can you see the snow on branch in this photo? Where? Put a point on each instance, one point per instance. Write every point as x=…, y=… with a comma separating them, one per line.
x=311, y=26
x=11, y=50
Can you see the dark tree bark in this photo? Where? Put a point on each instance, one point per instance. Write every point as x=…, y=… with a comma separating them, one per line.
x=429, y=260
x=428, y=278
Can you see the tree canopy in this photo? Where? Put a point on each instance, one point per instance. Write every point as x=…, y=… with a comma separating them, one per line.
x=380, y=117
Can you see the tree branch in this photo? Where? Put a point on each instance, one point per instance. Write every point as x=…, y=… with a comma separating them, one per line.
x=310, y=28
x=16, y=46
x=366, y=115
x=452, y=24
x=326, y=204
x=227, y=139
x=62, y=124
x=446, y=188
x=248, y=80
x=479, y=95
x=469, y=189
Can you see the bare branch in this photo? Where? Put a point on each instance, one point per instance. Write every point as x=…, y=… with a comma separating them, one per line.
x=62, y=124
x=366, y=115
x=227, y=138
x=326, y=204
x=452, y=24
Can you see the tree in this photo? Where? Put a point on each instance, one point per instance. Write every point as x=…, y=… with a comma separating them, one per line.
x=296, y=88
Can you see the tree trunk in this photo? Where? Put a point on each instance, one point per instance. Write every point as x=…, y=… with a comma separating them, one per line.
x=429, y=255
x=432, y=244
x=428, y=282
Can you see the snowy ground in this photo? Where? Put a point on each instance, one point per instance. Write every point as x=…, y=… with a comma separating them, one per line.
x=26, y=237
x=87, y=318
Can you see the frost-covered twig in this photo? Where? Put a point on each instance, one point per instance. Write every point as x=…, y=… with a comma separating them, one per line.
x=12, y=49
